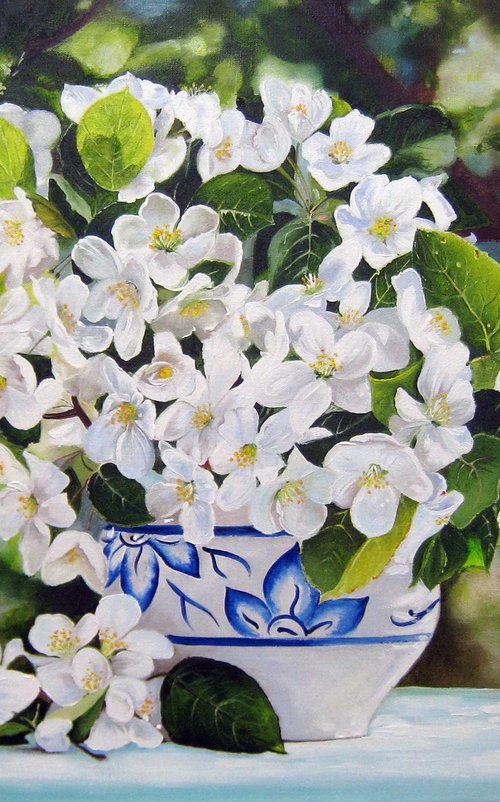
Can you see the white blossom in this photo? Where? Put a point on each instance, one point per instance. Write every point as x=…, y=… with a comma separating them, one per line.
x=166, y=242
x=170, y=375
x=301, y=109
x=427, y=328
x=42, y=130
x=27, y=247
x=343, y=156
x=17, y=689
x=265, y=145
x=72, y=554
x=370, y=472
x=223, y=155
x=196, y=308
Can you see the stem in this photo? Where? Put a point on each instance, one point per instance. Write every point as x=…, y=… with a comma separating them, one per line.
x=294, y=184
x=75, y=412
x=90, y=754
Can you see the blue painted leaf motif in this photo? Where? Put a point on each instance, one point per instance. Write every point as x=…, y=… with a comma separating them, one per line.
x=286, y=588
x=139, y=575
x=185, y=600
x=217, y=554
x=337, y=616
x=114, y=552
x=177, y=554
x=415, y=617
x=247, y=614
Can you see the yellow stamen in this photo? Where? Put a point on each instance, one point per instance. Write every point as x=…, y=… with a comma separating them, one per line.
x=146, y=708
x=185, y=491
x=340, y=152
x=126, y=293
x=28, y=505
x=440, y=324
x=92, y=680
x=63, y=642
x=352, y=318
x=247, y=455
x=3, y=385
x=165, y=372
x=291, y=493
x=383, y=228
x=125, y=415
x=311, y=284
x=374, y=478
x=202, y=416
x=165, y=239
x=110, y=642
x=73, y=555
x=301, y=108
x=224, y=151
x=194, y=309
x=326, y=365
x=68, y=319
x=439, y=409
x=13, y=230
x=246, y=325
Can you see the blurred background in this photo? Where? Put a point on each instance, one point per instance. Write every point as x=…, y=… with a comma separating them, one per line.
x=374, y=54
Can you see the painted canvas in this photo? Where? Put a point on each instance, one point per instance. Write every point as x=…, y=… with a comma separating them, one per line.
x=249, y=377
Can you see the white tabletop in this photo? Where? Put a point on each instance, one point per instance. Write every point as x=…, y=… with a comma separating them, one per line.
x=425, y=745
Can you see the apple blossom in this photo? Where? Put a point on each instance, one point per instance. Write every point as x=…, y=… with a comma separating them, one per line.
x=200, y=113
x=382, y=325
x=22, y=326
x=224, y=154
x=71, y=554
x=370, y=472
x=301, y=109
x=196, y=308
x=170, y=375
x=31, y=499
x=22, y=401
x=265, y=145
x=75, y=99
x=381, y=217
x=62, y=306
x=187, y=491
x=130, y=650
x=436, y=426
x=27, y=247
x=166, y=242
x=17, y=689
x=441, y=209
x=124, y=430
x=42, y=130
x=295, y=501
x=427, y=328
x=51, y=734
x=343, y=156
x=121, y=291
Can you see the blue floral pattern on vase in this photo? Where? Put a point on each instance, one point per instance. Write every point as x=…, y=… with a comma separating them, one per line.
x=415, y=617
x=135, y=559
x=291, y=606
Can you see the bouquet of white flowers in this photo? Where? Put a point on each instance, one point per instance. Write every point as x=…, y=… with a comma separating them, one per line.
x=204, y=314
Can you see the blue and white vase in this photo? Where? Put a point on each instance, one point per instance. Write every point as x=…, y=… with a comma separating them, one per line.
x=243, y=598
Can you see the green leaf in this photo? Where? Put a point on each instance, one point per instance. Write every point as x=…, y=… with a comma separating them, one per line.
x=11, y=730
x=76, y=201
x=383, y=293
x=371, y=559
x=482, y=539
x=118, y=499
x=384, y=389
x=420, y=138
x=459, y=276
x=81, y=708
x=51, y=217
x=16, y=160
x=243, y=201
x=216, y=270
x=440, y=557
x=298, y=248
x=83, y=724
x=217, y=706
x=485, y=370
x=103, y=46
x=115, y=139
x=326, y=555
x=477, y=476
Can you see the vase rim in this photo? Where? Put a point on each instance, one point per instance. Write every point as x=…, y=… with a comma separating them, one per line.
x=176, y=529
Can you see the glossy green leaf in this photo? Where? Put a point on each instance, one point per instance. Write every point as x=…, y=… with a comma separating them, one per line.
x=16, y=160
x=298, y=248
x=76, y=201
x=421, y=140
x=118, y=499
x=440, y=557
x=326, y=555
x=115, y=139
x=244, y=202
x=459, y=276
x=51, y=216
x=81, y=708
x=482, y=539
x=217, y=706
x=384, y=389
x=83, y=723
x=477, y=476
x=370, y=560
x=383, y=293
x=485, y=370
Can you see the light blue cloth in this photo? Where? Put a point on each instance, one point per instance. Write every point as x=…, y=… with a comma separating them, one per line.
x=425, y=745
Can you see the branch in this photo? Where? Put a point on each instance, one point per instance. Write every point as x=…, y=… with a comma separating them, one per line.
x=76, y=411
x=38, y=46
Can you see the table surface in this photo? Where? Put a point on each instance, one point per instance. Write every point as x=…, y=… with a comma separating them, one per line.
x=425, y=745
